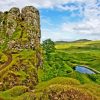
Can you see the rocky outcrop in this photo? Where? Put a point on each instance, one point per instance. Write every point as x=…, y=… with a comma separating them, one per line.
x=12, y=18
x=21, y=28
x=20, y=33
x=1, y=24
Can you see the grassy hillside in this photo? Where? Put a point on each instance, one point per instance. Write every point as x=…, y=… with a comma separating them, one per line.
x=82, y=53
x=79, y=44
x=57, y=79
x=18, y=69
x=59, y=88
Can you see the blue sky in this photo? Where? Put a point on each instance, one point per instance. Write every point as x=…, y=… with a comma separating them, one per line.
x=64, y=19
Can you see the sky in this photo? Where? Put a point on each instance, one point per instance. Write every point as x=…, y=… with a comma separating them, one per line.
x=64, y=20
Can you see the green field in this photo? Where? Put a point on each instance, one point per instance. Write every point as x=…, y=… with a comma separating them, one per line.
x=82, y=53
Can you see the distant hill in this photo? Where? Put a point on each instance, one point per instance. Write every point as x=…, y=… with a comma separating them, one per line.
x=80, y=40
x=57, y=42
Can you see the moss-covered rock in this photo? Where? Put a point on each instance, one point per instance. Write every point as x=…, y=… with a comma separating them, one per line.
x=22, y=27
x=20, y=42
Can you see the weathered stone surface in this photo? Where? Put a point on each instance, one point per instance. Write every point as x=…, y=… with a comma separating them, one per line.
x=20, y=30
x=15, y=12
x=12, y=20
x=1, y=17
x=30, y=15
x=1, y=22
x=22, y=27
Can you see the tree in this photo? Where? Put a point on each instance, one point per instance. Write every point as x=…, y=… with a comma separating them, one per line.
x=48, y=46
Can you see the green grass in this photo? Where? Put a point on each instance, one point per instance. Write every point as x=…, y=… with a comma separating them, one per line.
x=57, y=75
x=62, y=62
x=20, y=70
x=57, y=80
x=13, y=93
x=3, y=57
x=58, y=85
x=81, y=53
x=75, y=44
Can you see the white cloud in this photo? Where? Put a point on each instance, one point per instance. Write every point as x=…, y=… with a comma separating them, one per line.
x=90, y=26
x=68, y=32
x=7, y=4
x=66, y=8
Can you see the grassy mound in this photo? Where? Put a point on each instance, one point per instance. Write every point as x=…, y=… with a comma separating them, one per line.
x=65, y=92
x=61, y=88
x=58, y=80
x=14, y=92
